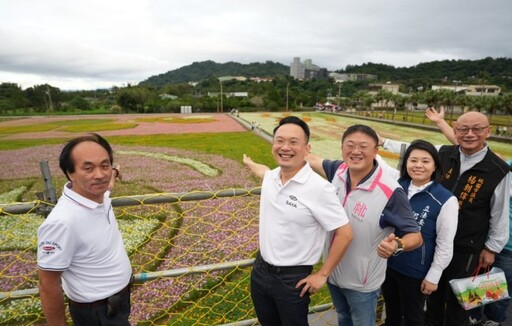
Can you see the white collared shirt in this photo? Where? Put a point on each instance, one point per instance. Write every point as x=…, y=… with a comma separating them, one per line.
x=295, y=217
x=81, y=238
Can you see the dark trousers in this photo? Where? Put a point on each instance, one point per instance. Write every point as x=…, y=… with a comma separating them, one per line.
x=90, y=314
x=276, y=300
x=403, y=300
x=442, y=306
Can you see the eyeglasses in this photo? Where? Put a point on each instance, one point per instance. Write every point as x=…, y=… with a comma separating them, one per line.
x=475, y=130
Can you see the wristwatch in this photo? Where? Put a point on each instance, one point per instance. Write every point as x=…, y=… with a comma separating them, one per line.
x=399, y=247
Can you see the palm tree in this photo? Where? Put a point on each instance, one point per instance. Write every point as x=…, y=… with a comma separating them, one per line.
x=368, y=100
x=400, y=101
x=491, y=104
x=478, y=102
x=506, y=101
x=359, y=97
x=379, y=98
x=431, y=97
x=464, y=101
x=447, y=97
x=388, y=97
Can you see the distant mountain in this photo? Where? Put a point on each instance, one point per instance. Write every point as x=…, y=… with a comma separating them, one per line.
x=199, y=71
x=487, y=70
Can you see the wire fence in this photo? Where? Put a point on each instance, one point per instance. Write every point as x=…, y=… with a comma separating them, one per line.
x=191, y=254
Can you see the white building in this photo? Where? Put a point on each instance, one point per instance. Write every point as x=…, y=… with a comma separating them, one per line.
x=229, y=94
x=297, y=69
x=306, y=70
x=340, y=78
x=472, y=90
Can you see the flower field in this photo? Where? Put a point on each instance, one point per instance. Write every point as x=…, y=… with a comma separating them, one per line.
x=157, y=237
x=162, y=237
x=327, y=129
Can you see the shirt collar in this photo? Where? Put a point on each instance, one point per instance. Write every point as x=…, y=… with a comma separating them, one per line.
x=468, y=161
x=415, y=189
x=480, y=154
x=81, y=200
x=299, y=177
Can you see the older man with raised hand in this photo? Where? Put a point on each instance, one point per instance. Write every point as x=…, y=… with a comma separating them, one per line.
x=480, y=181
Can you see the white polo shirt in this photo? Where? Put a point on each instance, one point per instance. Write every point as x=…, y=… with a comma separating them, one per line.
x=295, y=217
x=81, y=238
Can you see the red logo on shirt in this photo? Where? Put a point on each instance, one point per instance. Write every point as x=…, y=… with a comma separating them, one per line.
x=49, y=247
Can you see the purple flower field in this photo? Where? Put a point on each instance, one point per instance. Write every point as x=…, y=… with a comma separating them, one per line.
x=209, y=231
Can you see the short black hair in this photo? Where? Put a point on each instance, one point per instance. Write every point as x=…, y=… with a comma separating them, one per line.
x=296, y=121
x=66, y=163
x=363, y=129
x=427, y=147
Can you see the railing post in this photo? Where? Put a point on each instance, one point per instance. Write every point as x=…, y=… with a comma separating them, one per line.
x=48, y=195
x=403, y=147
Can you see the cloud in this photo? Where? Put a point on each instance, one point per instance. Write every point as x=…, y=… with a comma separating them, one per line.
x=83, y=44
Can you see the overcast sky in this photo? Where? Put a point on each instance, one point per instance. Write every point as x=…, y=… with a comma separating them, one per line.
x=93, y=44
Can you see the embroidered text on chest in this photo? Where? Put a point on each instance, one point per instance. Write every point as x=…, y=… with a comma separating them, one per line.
x=421, y=217
x=470, y=189
x=359, y=211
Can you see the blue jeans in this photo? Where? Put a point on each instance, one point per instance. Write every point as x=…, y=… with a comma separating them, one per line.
x=276, y=300
x=497, y=311
x=354, y=308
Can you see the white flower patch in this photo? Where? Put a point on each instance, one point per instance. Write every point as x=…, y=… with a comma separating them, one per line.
x=197, y=165
x=12, y=196
x=20, y=312
x=20, y=231
x=136, y=232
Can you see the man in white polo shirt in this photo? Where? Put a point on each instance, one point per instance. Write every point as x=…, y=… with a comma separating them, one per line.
x=297, y=209
x=80, y=243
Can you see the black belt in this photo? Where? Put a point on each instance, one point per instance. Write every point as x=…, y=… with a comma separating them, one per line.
x=99, y=302
x=299, y=269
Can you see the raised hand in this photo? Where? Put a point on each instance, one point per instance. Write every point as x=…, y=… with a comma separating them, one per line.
x=433, y=115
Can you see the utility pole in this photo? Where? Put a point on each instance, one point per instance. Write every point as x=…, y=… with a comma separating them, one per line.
x=453, y=104
x=287, y=88
x=339, y=94
x=50, y=109
x=221, y=103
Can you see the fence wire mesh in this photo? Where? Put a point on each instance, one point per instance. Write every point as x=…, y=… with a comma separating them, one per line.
x=191, y=255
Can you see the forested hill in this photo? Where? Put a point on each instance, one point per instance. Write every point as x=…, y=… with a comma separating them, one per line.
x=490, y=71
x=199, y=71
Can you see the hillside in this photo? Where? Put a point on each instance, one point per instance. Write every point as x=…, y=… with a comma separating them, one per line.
x=487, y=71
x=199, y=71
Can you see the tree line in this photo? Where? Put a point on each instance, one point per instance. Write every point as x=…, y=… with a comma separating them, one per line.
x=280, y=93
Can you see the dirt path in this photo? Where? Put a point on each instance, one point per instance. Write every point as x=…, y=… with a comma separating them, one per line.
x=222, y=123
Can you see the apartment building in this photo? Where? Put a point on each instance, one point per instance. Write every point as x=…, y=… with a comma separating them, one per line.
x=307, y=70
